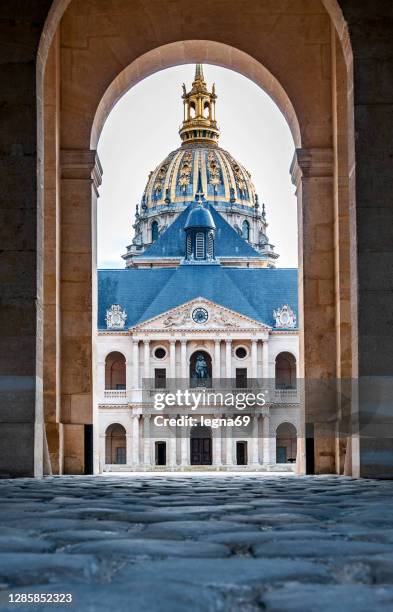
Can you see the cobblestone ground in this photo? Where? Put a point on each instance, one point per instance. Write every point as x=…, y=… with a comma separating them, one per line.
x=202, y=543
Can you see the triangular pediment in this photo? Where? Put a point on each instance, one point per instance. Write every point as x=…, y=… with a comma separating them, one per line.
x=200, y=314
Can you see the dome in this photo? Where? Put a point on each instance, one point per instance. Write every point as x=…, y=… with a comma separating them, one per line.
x=225, y=182
x=200, y=217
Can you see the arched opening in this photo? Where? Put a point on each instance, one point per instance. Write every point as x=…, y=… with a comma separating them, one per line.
x=201, y=445
x=200, y=369
x=286, y=443
x=115, y=445
x=285, y=371
x=191, y=110
x=308, y=126
x=154, y=231
x=206, y=110
x=246, y=230
x=115, y=371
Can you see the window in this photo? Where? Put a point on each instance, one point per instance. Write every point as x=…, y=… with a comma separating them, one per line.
x=154, y=231
x=121, y=455
x=159, y=378
x=200, y=246
x=285, y=371
x=246, y=230
x=210, y=245
x=189, y=246
x=159, y=353
x=241, y=352
x=241, y=378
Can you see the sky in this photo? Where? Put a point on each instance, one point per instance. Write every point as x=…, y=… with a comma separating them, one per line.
x=143, y=128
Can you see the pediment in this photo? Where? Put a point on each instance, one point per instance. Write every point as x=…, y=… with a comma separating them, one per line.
x=192, y=316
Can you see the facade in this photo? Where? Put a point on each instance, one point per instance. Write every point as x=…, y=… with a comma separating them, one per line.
x=200, y=310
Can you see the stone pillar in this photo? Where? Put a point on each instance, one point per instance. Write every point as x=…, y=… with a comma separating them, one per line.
x=184, y=447
x=172, y=447
x=183, y=362
x=172, y=362
x=228, y=359
x=146, y=360
x=254, y=359
x=80, y=178
x=135, y=440
x=312, y=174
x=129, y=446
x=265, y=360
x=217, y=360
x=217, y=446
x=102, y=460
x=135, y=364
x=266, y=439
x=255, y=440
x=229, y=445
x=146, y=440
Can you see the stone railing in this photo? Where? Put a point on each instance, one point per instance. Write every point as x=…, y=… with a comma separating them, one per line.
x=115, y=395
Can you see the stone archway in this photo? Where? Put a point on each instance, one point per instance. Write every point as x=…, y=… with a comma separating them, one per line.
x=286, y=443
x=319, y=162
x=115, y=445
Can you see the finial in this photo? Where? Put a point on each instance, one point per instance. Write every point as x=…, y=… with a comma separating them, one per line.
x=199, y=196
x=199, y=73
x=199, y=122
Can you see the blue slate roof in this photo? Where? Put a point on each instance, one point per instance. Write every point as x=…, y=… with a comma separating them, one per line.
x=228, y=243
x=146, y=293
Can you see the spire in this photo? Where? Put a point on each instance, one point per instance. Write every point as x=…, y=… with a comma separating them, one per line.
x=199, y=122
x=199, y=195
x=199, y=73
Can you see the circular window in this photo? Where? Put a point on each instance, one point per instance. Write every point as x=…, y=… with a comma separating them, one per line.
x=160, y=353
x=241, y=352
x=200, y=315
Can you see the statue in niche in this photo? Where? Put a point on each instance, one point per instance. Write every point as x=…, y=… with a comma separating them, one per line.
x=201, y=366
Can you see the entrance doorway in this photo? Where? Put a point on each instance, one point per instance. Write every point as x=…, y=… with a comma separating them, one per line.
x=241, y=453
x=160, y=453
x=201, y=446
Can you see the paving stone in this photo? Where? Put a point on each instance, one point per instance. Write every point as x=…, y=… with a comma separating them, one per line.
x=151, y=548
x=189, y=529
x=328, y=598
x=14, y=543
x=318, y=548
x=30, y=568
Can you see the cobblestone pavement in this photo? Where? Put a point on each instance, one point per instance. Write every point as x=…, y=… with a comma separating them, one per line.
x=202, y=543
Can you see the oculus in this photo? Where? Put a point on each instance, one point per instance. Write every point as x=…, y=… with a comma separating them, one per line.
x=159, y=353
x=241, y=352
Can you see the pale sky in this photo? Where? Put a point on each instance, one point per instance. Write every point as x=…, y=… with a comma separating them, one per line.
x=143, y=128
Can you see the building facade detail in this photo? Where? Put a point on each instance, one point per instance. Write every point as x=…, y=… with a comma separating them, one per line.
x=115, y=317
x=195, y=311
x=285, y=318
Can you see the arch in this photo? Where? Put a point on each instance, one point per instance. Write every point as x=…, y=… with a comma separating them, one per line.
x=285, y=371
x=200, y=369
x=193, y=52
x=246, y=230
x=87, y=121
x=154, y=231
x=115, y=371
x=286, y=443
x=115, y=444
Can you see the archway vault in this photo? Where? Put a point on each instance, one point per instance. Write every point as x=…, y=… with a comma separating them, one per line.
x=192, y=52
x=86, y=65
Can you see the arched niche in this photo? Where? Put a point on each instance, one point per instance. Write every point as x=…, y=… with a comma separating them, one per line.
x=115, y=445
x=115, y=371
